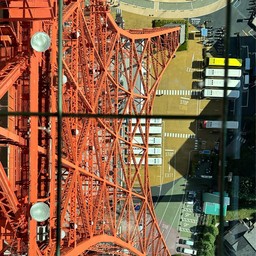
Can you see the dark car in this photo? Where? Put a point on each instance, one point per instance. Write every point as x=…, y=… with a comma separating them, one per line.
x=190, y=197
x=187, y=242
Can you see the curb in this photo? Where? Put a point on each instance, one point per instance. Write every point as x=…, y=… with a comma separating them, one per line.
x=173, y=13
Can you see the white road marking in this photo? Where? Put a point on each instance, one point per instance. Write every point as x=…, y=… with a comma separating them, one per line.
x=178, y=92
x=250, y=33
x=245, y=32
x=185, y=230
x=236, y=3
x=189, y=220
x=179, y=135
x=188, y=210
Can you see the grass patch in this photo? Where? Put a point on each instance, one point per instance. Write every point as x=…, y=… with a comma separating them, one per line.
x=241, y=213
x=133, y=21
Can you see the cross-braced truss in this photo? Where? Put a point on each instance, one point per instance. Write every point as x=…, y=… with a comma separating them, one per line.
x=109, y=74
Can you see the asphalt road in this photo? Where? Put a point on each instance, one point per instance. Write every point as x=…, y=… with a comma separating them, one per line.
x=238, y=11
x=242, y=37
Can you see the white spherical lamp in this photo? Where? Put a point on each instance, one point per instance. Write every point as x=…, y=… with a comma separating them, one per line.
x=40, y=211
x=40, y=42
x=64, y=79
x=62, y=234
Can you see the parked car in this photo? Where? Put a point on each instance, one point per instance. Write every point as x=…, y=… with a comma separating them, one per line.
x=190, y=197
x=187, y=242
x=186, y=250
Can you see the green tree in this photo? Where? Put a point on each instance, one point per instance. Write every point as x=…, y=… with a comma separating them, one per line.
x=213, y=230
x=209, y=253
x=208, y=237
x=205, y=249
x=213, y=220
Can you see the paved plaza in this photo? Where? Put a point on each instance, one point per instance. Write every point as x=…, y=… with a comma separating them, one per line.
x=172, y=8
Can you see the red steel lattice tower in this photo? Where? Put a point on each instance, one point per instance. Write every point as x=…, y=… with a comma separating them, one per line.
x=109, y=75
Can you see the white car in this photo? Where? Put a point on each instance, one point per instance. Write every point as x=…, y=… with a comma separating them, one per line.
x=187, y=250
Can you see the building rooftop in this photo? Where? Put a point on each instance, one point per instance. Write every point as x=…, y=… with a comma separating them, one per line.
x=215, y=198
x=250, y=236
x=240, y=239
x=212, y=203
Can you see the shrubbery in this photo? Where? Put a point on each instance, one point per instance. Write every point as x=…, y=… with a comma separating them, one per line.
x=206, y=243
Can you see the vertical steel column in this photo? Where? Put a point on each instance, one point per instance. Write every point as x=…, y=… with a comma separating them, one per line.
x=59, y=109
x=33, y=141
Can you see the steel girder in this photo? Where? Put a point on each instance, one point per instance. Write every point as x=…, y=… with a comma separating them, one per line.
x=109, y=73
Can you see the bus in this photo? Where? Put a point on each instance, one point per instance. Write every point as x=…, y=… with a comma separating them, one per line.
x=209, y=93
x=220, y=72
x=151, y=140
x=232, y=62
x=151, y=160
x=151, y=151
x=218, y=124
x=220, y=83
x=152, y=130
x=152, y=120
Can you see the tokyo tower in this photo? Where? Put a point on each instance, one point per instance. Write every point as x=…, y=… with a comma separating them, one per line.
x=109, y=77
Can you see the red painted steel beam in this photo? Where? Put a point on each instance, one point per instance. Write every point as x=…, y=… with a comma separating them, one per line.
x=10, y=73
x=84, y=246
x=33, y=139
x=6, y=190
x=32, y=10
x=12, y=138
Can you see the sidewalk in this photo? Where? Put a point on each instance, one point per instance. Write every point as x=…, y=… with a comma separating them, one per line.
x=181, y=13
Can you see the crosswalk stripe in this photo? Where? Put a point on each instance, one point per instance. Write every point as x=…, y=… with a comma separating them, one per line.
x=179, y=135
x=179, y=92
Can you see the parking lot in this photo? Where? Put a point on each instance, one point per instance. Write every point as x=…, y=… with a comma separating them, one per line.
x=188, y=220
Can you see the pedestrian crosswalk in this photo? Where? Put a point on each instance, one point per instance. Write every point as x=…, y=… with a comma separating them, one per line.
x=179, y=135
x=178, y=92
x=241, y=139
x=196, y=144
